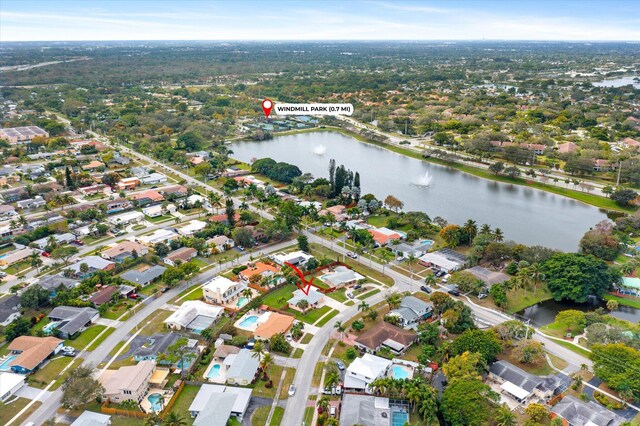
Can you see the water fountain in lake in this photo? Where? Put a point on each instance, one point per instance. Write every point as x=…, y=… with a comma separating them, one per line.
x=424, y=181
x=320, y=150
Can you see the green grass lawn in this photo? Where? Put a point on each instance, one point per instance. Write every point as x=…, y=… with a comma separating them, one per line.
x=200, y=263
x=326, y=318
x=259, y=417
x=115, y=311
x=275, y=373
x=307, y=338
x=8, y=411
x=308, y=415
x=317, y=374
x=320, y=251
x=184, y=400
x=159, y=219
x=49, y=372
x=156, y=324
x=278, y=298
x=627, y=301
x=297, y=353
x=518, y=300
x=573, y=347
x=311, y=316
x=369, y=294
x=88, y=335
x=18, y=267
x=339, y=295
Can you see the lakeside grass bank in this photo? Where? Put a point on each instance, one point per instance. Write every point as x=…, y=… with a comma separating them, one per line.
x=591, y=199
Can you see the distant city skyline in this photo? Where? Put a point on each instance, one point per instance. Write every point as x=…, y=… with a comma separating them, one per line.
x=67, y=20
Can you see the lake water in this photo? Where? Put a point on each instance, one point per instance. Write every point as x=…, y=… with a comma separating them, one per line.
x=545, y=312
x=618, y=82
x=525, y=215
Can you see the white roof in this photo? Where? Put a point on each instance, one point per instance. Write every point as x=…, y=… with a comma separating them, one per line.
x=9, y=381
x=440, y=260
x=159, y=235
x=89, y=418
x=514, y=390
x=243, y=395
x=219, y=284
x=190, y=309
x=370, y=366
x=288, y=257
x=193, y=226
x=125, y=217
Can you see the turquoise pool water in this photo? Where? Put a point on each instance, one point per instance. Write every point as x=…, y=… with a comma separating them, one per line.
x=214, y=372
x=2, y=256
x=400, y=372
x=430, y=242
x=155, y=399
x=48, y=329
x=5, y=364
x=399, y=417
x=249, y=321
x=242, y=301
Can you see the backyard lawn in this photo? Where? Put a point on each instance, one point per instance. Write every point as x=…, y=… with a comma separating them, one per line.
x=7, y=411
x=42, y=377
x=184, y=400
x=339, y=295
x=259, y=417
x=627, y=301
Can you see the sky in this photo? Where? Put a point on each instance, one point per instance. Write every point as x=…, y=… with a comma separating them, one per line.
x=53, y=20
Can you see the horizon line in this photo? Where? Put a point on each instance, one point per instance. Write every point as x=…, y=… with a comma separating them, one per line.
x=334, y=40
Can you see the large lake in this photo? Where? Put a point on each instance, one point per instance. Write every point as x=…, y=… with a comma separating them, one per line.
x=525, y=215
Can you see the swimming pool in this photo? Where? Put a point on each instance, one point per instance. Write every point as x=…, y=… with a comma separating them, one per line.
x=399, y=372
x=249, y=321
x=2, y=256
x=429, y=242
x=155, y=399
x=214, y=372
x=48, y=329
x=399, y=417
x=242, y=301
x=5, y=364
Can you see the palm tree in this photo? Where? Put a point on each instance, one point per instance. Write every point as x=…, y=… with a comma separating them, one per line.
x=471, y=229
x=411, y=261
x=363, y=306
x=265, y=362
x=341, y=328
x=174, y=419
x=247, y=292
x=331, y=378
x=430, y=280
x=393, y=300
x=485, y=229
x=385, y=258
x=535, y=271
x=258, y=350
x=323, y=404
x=498, y=235
x=504, y=417
x=35, y=261
x=153, y=419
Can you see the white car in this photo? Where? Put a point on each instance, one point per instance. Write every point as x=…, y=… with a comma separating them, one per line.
x=350, y=295
x=292, y=390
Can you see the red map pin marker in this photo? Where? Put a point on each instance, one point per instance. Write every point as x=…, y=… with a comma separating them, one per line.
x=267, y=105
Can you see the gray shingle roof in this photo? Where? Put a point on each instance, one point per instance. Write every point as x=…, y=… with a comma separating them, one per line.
x=515, y=375
x=73, y=319
x=143, y=277
x=579, y=413
x=244, y=366
x=217, y=411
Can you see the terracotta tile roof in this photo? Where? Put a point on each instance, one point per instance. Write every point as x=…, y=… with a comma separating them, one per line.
x=374, y=337
x=33, y=350
x=382, y=238
x=223, y=218
x=276, y=323
x=151, y=194
x=257, y=269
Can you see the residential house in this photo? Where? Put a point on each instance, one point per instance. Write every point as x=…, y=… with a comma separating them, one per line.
x=314, y=299
x=32, y=352
x=221, y=243
x=117, y=205
x=60, y=240
x=341, y=276
x=72, y=321
x=127, y=183
x=53, y=282
x=567, y=148
x=445, y=260
x=384, y=236
x=159, y=210
x=222, y=218
x=396, y=339
x=520, y=385
x=128, y=218
x=148, y=348
x=575, y=412
x=143, y=275
x=158, y=236
x=600, y=165
x=124, y=250
x=147, y=197
x=364, y=410
x=276, y=324
x=193, y=315
x=362, y=371
x=261, y=270
x=297, y=258
x=93, y=189
x=9, y=310
x=222, y=291
x=242, y=367
x=153, y=179
x=89, y=418
x=176, y=191
x=94, y=264
x=10, y=383
x=630, y=143
x=120, y=159
x=16, y=256
x=31, y=203
x=181, y=255
x=93, y=166
x=215, y=404
x=412, y=311
x=487, y=276
x=103, y=295
x=7, y=211
x=129, y=383
x=415, y=249
x=339, y=212
x=13, y=195
x=8, y=180
x=191, y=228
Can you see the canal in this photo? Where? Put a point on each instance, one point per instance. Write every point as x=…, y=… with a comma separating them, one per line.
x=525, y=215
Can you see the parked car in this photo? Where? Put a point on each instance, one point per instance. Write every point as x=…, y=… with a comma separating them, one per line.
x=440, y=274
x=3, y=274
x=240, y=248
x=332, y=411
x=70, y=353
x=445, y=279
x=134, y=296
x=340, y=365
x=350, y=295
x=400, y=258
x=482, y=295
x=78, y=242
x=453, y=290
x=352, y=255
x=165, y=289
x=425, y=289
x=289, y=337
x=357, y=286
x=46, y=254
x=292, y=390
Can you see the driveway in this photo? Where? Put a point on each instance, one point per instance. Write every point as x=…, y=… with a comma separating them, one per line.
x=255, y=403
x=32, y=393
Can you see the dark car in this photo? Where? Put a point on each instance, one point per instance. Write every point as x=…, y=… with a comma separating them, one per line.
x=453, y=291
x=425, y=289
x=165, y=289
